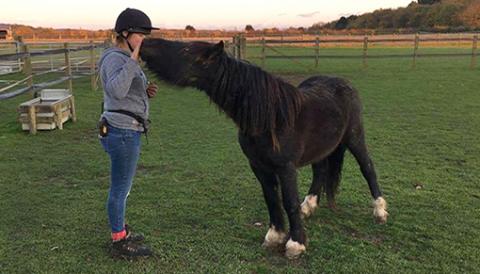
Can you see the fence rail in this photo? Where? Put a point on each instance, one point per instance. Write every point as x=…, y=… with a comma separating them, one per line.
x=276, y=41
x=85, y=66
x=15, y=56
x=383, y=56
x=23, y=59
x=270, y=44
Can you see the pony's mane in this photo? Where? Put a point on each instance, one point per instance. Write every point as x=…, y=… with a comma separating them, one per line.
x=256, y=100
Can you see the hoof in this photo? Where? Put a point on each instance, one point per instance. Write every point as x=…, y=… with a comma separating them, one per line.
x=294, y=249
x=274, y=238
x=309, y=205
x=380, y=210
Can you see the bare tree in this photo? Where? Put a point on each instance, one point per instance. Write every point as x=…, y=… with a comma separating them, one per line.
x=249, y=28
x=189, y=28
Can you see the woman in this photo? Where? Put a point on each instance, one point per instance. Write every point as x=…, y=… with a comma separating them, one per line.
x=125, y=116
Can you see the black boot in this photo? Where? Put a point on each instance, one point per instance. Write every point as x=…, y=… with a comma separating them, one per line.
x=128, y=248
x=134, y=237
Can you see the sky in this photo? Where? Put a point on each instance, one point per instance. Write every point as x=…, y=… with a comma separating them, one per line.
x=202, y=14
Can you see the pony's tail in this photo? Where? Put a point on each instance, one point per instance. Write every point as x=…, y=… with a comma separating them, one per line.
x=334, y=173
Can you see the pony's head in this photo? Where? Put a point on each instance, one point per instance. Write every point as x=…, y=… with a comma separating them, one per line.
x=258, y=102
x=180, y=63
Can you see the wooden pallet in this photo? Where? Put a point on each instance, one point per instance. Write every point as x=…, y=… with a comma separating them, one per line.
x=47, y=112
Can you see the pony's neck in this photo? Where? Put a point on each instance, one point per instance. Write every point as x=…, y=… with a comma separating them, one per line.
x=229, y=83
x=255, y=100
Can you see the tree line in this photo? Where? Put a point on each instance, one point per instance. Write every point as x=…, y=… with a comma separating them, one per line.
x=426, y=15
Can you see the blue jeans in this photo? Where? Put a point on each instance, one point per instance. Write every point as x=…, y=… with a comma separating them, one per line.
x=123, y=147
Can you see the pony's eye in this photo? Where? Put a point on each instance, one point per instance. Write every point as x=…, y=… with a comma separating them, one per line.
x=184, y=51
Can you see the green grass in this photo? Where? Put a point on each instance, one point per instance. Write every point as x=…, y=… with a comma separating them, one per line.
x=197, y=201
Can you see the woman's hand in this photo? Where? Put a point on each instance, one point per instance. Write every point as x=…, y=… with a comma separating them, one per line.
x=136, y=51
x=152, y=90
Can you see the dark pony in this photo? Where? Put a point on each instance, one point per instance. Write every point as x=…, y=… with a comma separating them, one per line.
x=281, y=128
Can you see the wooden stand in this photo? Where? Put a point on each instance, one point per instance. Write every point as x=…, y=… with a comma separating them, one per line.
x=51, y=110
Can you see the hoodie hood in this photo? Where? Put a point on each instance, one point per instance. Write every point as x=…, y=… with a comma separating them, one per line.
x=111, y=50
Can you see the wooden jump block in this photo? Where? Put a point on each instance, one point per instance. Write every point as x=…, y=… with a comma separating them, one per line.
x=49, y=111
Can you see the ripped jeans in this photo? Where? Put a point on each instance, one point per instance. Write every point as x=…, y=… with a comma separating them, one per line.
x=123, y=147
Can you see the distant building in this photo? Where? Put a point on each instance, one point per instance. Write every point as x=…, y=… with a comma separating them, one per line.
x=6, y=34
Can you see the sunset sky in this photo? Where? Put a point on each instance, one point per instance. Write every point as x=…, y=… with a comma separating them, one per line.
x=206, y=14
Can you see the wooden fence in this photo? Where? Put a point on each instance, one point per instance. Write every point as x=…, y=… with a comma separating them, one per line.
x=21, y=56
x=83, y=66
x=268, y=43
x=9, y=66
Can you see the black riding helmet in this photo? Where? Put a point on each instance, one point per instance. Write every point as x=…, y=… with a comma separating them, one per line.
x=133, y=21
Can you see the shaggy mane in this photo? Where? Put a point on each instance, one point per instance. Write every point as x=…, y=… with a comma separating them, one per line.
x=257, y=101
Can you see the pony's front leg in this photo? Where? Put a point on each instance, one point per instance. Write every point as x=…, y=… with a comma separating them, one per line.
x=276, y=236
x=288, y=180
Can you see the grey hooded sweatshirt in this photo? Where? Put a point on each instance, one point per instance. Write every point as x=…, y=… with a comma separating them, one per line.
x=124, y=88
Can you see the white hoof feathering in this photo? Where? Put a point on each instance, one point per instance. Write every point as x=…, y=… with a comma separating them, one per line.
x=309, y=205
x=274, y=237
x=380, y=210
x=294, y=249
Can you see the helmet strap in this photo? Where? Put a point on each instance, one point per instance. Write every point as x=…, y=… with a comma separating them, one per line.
x=126, y=39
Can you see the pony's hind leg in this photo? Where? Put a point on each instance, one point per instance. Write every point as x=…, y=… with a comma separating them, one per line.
x=276, y=236
x=358, y=148
x=326, y=178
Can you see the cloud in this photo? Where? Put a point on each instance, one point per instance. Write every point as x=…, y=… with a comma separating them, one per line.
x=308, y=15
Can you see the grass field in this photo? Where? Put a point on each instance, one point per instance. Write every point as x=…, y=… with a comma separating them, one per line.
x=197, y=201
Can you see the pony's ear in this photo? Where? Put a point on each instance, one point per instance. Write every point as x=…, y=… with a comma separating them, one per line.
x=216, y=50
x=219, y=47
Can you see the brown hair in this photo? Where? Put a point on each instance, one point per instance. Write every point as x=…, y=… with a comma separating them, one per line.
x=119, y=40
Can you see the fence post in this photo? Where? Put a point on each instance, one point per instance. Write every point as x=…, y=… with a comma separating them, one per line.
x=263, y=52
x=68, y=70
x=239, y=46
x=17, y=51
x=27, y=65
x=243, y=47
x=93, y=76
x=281, y=39
x=237, y=50
x=365, y=51
x=51, y=57
x=474, y=52
x=317, y=51
x=415, y=50
x=20, y=48
x=234, y=46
